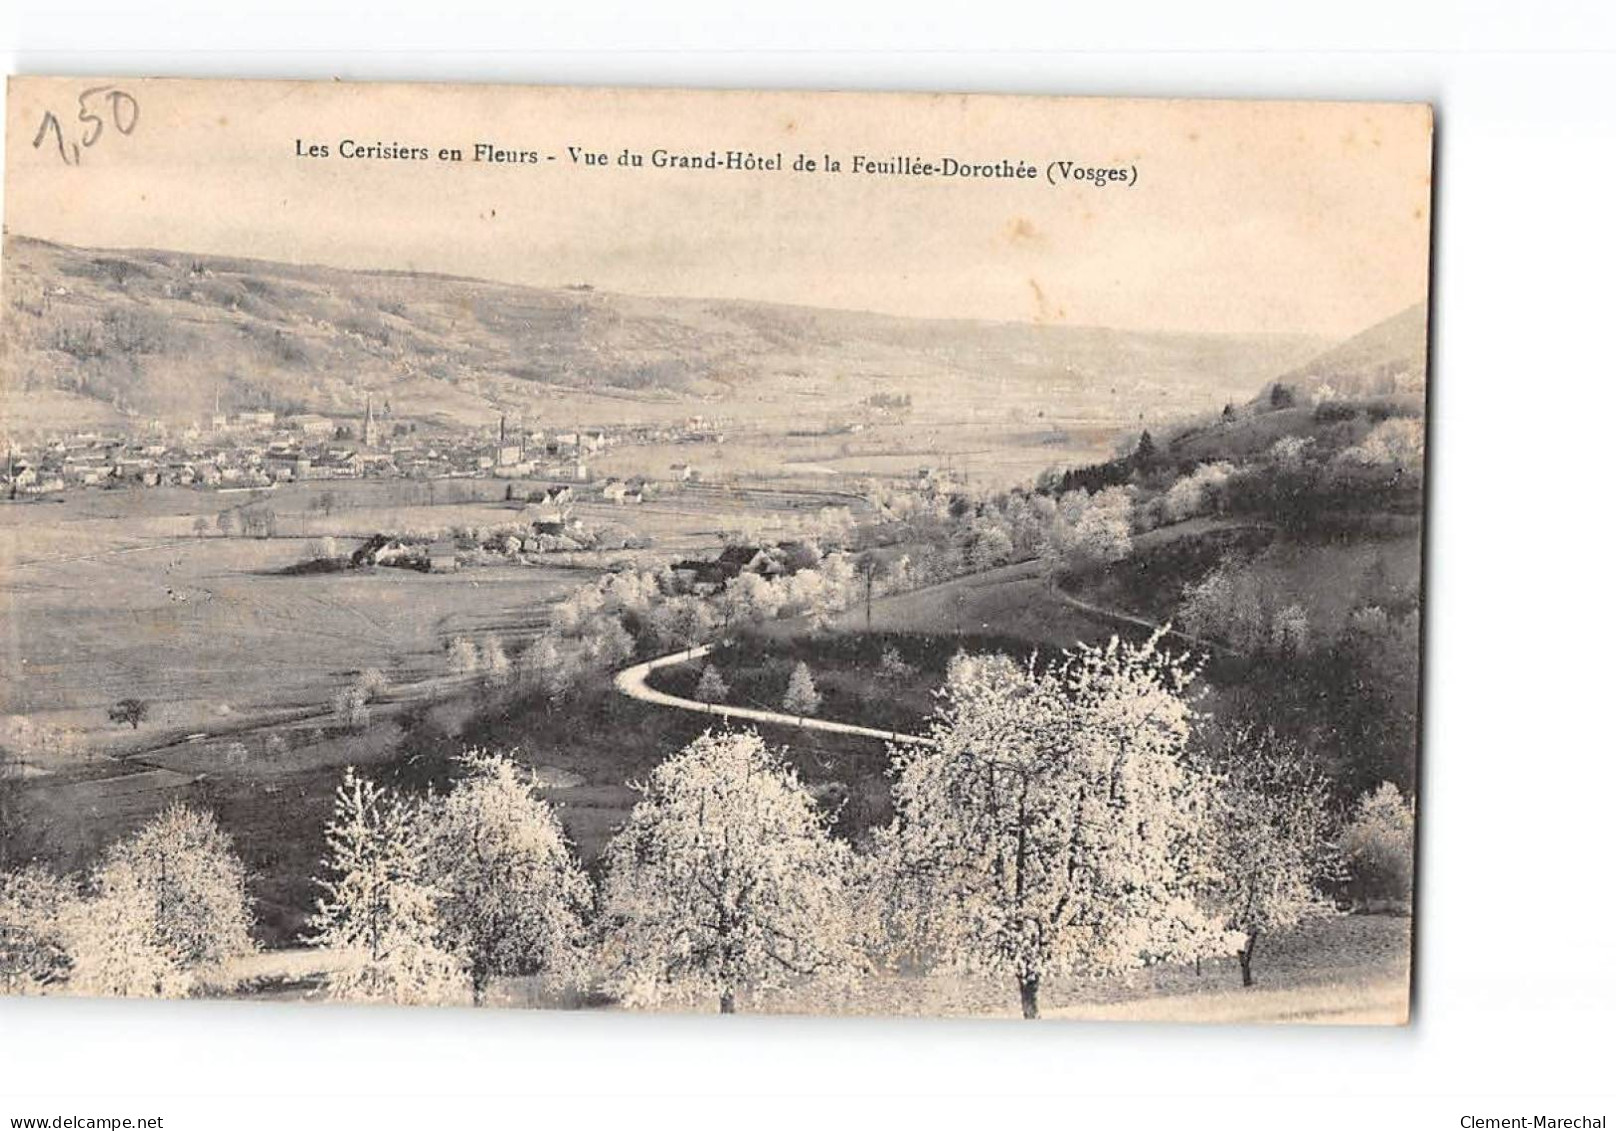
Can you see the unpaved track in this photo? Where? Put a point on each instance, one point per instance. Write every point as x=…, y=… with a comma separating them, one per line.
x=632, y=682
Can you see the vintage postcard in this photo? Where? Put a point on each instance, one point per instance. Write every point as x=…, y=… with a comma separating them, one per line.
x=724, y=551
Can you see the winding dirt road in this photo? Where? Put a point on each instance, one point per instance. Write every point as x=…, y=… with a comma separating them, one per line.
x=632, y=682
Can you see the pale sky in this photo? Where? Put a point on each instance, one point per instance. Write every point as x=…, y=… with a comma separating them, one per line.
x=1291, y=217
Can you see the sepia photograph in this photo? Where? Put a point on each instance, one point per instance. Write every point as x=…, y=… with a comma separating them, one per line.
x=731, y=552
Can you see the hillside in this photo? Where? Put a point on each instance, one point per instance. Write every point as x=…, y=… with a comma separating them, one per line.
x=1339, y=396
x=163, y=333
x=1388, y=357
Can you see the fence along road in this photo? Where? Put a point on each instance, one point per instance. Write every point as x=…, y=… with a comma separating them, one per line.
x=632, y=682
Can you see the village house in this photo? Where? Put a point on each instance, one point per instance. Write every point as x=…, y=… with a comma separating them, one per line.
x=546, y=517
x=441, y=557
x=334, y=464
x=559, y=494
x=624, y=491
x=313, y=424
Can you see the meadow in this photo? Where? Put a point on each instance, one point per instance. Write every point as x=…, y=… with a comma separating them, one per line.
x=1347, y=969
x=113, y=594
x=992, y=444
x=1341, y=970
x=208, y=633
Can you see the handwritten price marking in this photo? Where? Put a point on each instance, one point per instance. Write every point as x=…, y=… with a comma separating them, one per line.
x=97, y=106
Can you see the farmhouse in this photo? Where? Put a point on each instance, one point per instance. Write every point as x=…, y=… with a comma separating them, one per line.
x=731, y=563
x=441, y=558
x=558, y=495
x=618, y=491
x=546, y=518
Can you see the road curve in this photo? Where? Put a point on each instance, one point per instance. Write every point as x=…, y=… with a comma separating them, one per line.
x=632, y=682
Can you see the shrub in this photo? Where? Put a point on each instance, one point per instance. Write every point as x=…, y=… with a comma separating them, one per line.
x=1378, y=847
x=711, y=688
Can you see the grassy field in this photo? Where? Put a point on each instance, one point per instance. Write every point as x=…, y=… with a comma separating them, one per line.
x=988, y=446
x=206, y=632
x=1012, y=601
x=111, y=594
x=1345, y=970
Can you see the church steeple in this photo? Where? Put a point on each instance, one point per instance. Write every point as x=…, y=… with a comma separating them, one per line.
x=372, y=433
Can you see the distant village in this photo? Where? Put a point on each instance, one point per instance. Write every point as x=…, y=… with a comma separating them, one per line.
x=257, y=449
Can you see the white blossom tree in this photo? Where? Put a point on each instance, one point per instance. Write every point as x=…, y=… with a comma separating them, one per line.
x=711, y=688
x=539, y=662
x=991, y=545
x=34, y=910
x=747, y=598
x=682, y=622
x=373, y=682
x=496, y=662
x=1196, y=493
x=893, y=667
x=809, y=595
x=1055, y=826
x=1273, y=842
x=514, y=900
x=1101, y=529
x=842, y=584
x=802, y=697
x=463, y=656
x=607, y=643
x=379, y=913
x=1378, y=847
x=724, y=879
x=1227, y=604
x=583, y=603
x=167, y=906
x=111, y=939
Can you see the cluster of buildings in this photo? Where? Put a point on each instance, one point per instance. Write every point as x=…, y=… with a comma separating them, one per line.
x=259, y=448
